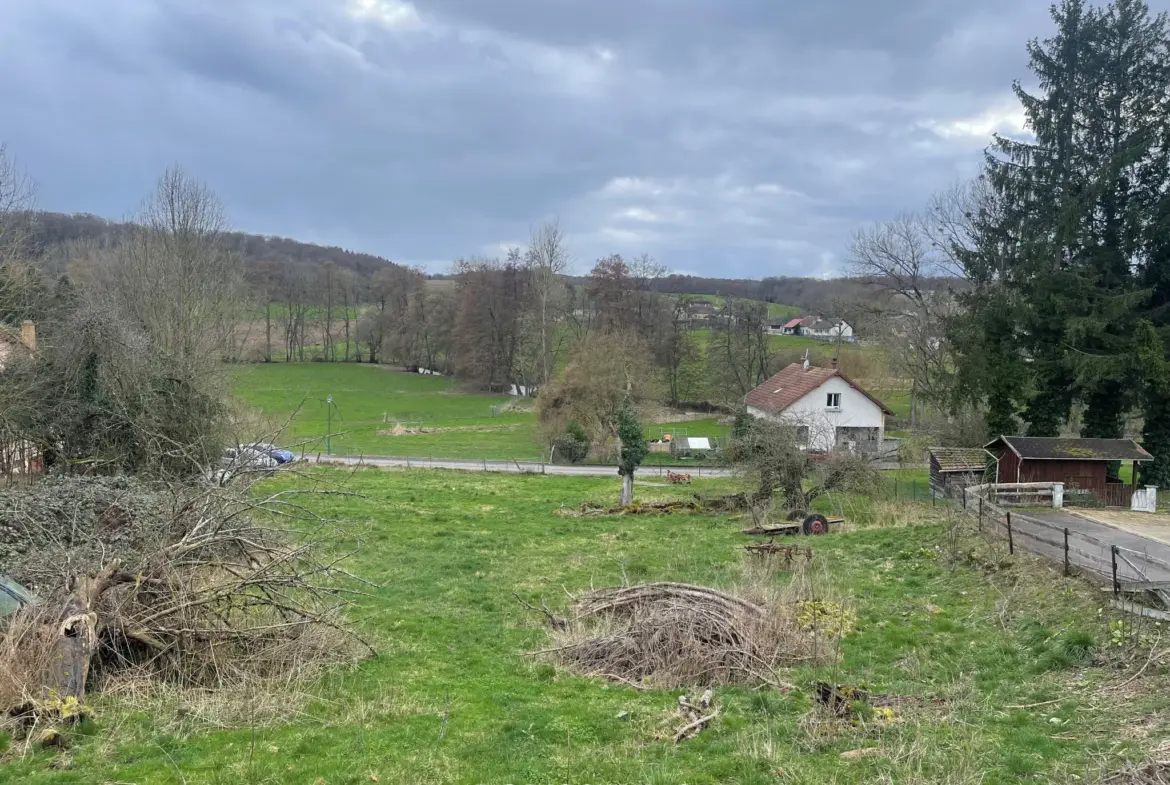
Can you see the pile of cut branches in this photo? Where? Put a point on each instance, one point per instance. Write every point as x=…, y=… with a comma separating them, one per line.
x=193, y=586
x=677, y=634
x=638, y=508
x=1156, y=773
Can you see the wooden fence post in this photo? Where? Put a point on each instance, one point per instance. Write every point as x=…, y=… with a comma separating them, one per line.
x=964, y=498
x=1113, y=558
x=1011, y=542
x=980, y=513
x=1067, y=567
x=895, y=487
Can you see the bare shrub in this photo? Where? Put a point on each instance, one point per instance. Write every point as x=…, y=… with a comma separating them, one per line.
x=26, y=656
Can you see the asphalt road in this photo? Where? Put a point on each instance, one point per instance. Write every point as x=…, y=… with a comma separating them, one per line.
x=513, y=467
x=1141, y=558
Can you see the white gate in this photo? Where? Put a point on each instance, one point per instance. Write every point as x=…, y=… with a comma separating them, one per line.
x=1145, y=499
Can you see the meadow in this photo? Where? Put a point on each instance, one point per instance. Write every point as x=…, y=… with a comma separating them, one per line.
x=1004, y=670
x=370, y=400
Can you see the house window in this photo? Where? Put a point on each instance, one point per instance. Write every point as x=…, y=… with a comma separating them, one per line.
x=834, y=401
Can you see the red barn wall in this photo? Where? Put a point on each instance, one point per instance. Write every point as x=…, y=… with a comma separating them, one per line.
x=1089, y=475
x=1008, y=462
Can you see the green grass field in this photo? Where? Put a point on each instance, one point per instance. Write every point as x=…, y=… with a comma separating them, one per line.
x=369, y=400
x=993, y=665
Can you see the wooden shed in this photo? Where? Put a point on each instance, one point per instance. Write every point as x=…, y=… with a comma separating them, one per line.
x=1081, y=464
x=955, y=468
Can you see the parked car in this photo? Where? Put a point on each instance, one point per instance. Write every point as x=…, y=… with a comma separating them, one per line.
x=247, y=456
x=279, y=454
x=13, y=596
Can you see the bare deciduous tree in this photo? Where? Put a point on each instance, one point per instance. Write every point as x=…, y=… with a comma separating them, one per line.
x=908, y=259
x=604, y=370
x=17, y=201
x=176, y=279
x=548, y=261
x=739, y=354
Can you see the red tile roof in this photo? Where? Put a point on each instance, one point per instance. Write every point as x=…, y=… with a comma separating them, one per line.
x=794, y=323
x=793, y=383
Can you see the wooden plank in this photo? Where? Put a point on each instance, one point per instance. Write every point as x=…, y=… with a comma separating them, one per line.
x=1145, y=585
x=1139, y=610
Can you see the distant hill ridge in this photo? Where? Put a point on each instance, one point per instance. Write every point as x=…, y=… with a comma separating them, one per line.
x=54, y=230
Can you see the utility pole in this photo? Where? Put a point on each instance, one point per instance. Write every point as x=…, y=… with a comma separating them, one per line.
x=328, y=424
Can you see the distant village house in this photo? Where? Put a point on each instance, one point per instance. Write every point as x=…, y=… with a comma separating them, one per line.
x=701, y=309
x=814, y=327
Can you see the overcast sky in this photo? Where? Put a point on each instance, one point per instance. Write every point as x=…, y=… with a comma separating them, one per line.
x=724, y=137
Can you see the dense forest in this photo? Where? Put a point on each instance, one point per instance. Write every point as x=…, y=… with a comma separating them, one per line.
x=55, y=234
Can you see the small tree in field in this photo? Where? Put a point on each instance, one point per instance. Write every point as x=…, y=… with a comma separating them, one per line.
x=770, y=462
x=633, y=447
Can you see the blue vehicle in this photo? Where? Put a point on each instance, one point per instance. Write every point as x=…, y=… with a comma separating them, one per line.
x=278, y=454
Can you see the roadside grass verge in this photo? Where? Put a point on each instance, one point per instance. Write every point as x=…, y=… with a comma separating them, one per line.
x=1000, y=664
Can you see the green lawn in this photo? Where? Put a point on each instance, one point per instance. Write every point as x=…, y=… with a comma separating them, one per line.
x=369, y=399
x=992, y=664
x=476, y=426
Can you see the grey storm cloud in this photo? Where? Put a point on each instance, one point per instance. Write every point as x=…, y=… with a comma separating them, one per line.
x=739, y=137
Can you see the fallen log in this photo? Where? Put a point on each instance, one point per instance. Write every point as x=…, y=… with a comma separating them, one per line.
x=654, y=508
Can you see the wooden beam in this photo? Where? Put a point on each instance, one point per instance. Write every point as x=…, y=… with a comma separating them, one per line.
x=1139, y=610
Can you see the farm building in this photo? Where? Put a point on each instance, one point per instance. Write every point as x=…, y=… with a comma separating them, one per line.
x=955, y=468
x=785, y=328
x=828, y=409
x=1081, y=464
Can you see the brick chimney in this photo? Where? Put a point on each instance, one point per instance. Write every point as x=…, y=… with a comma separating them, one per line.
x=28, y=335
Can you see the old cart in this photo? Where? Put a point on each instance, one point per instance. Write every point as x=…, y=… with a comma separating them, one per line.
x=798, y=522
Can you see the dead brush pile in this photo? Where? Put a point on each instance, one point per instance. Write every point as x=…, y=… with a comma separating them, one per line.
x=666, y=635
x=1157, y=773
x=193, y=587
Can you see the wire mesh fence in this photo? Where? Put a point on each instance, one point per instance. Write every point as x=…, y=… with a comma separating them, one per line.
x=1125, y=561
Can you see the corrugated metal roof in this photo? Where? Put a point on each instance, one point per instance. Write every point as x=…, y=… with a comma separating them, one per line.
x=1042, y=448
x=793, y=383
x=961, y=459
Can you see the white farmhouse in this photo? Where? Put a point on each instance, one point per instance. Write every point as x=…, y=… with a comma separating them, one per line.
x=828, y=409
x=828, y=330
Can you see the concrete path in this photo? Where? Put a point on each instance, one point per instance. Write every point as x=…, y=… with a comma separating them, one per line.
x=1141, y=558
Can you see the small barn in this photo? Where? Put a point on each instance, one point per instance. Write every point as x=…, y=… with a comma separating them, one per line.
x=954, y=468
x=1081, y=464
